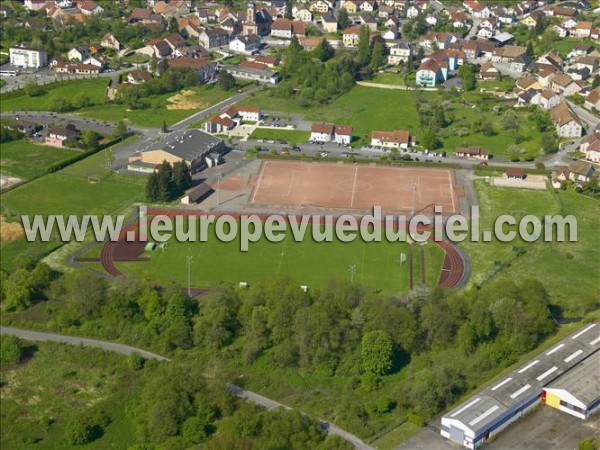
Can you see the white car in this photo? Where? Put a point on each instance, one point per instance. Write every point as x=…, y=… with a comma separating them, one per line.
x=324, y=154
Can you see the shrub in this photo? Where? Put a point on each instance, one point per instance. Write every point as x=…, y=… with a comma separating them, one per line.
x=11, y=349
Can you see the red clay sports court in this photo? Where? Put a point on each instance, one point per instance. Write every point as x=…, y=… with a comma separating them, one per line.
x=353, y=187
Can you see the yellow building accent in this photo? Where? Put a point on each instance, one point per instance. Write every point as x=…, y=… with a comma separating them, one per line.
x=552, y=400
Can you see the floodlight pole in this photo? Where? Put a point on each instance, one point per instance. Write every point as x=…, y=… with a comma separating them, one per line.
x=219, y=175
x=352, y=270
x=189, y=260
x=412, y=201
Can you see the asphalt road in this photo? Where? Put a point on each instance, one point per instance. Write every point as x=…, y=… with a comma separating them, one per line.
x=122, y=349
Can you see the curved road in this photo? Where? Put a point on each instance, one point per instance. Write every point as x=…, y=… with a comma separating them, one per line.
x=122, y=349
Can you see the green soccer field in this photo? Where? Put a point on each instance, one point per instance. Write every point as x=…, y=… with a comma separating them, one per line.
x=377, y=264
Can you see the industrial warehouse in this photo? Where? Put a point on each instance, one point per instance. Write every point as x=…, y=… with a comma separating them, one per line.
x=566, y=377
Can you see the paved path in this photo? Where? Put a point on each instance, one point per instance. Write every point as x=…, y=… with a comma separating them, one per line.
x=122, y=349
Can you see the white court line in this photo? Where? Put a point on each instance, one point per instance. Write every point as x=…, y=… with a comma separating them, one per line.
x=289, y=189
x=260, y=177
x=451, y=191
x=353, y=186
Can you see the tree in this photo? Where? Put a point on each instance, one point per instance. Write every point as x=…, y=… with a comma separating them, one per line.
x=164, y=128
x=324, y=51
x=343, y=20
x=364, y=47
x=120, y=130
x=153, y=64
x=32, y=89
x=377, y=352
x=173, y=25
x=467, y=77
x=182, y=177
x=510, y=121
x=289, y=6
x=377, y=57
x=165, y=182
x=152, y=189
x=90, y=138
x=430, y=141
x=17, y=291
x=549, y=143
x=596, y=82
x=226, y=81
x=78, y=431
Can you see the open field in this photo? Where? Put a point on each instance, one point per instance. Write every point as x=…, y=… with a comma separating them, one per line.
x=58, y=383
x=26, y=160
x=291, y=136
x=69, y=191
x=94, y=89
x=311, y=263
x=346, y=187
x=171, y=107
x=362, y=108
x=388, y=78
x=555, y=264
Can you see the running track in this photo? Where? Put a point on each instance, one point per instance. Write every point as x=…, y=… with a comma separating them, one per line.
x=455, y=270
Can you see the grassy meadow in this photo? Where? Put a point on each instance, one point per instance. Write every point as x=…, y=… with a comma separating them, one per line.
x=26, y=160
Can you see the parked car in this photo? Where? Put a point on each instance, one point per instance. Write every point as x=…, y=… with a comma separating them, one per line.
x=324, y=154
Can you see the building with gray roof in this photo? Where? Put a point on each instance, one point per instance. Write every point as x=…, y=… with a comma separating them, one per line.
x=497, y=406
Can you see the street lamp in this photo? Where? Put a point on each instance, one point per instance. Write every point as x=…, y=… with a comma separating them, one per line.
x=219, y=175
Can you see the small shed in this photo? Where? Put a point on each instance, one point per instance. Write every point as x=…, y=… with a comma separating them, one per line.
x=515, y=173
x=197, y=194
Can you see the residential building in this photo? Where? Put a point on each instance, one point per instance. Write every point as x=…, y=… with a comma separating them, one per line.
x=329, y=23
x=109, y=41
x=28, y=58
x=285, y=28
x=581, y=171
x=78, y=53
x=489, y=72
x=89, y=7
x=350, y=37
x=472, y=153
x=400, y=53
x=564, y=85
x=546, y=99
x=567, y=123
x=392, y=139
x=219, y=124
x=368, y=20
x=245, y=44
x=343, y=134
x=303, y=14
x=430, y=73
x=138, y=77
x=58, y=137
x=213, y=38
x=592, y=101
x=321, y=132
x=206, y=69
x=591, y=147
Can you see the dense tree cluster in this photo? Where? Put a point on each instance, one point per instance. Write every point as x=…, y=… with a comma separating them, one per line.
x=169, y=182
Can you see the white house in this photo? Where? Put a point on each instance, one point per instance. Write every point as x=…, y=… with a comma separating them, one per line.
x=400, y=52
x=546, y=99
x=245, y=44
x=321, y=132
x=567, y=123
x=343, y=134
x=392, y=139
x=78, y=53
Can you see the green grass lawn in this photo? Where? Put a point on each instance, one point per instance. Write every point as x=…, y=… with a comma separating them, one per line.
x=68, y=191
x=555, y=264
x=388, y=78
x=295, y=136
x=310, y=263
x=94, y=89
x=26, y=160
x=42, y=394
x=368, y=109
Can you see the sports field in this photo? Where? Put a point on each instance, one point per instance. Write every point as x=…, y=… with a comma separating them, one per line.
x=380, y=266
x=353, y=188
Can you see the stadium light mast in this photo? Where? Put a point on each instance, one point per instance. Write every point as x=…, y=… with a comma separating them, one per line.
x=412, y=200
x=352, y=270
x=219, y=175
x=189, y=260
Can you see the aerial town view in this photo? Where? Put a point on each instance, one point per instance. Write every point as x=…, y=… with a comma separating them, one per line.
x=300, y=224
